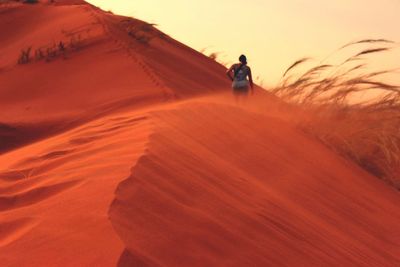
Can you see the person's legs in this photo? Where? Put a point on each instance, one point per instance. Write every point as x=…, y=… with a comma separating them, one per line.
x=240, y=90
x=240, y=95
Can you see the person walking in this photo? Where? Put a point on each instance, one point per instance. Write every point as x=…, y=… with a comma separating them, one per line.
x=240, y=75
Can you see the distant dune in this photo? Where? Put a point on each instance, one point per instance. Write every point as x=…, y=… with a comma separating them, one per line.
x=120, y=146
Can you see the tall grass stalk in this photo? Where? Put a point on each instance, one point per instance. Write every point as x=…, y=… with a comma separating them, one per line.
x=350, y=109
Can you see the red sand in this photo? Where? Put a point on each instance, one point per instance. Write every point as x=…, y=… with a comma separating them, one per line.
x=112, y=158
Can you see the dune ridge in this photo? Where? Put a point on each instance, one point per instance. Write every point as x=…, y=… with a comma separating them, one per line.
x=103, y=70
x=68, y=183
x=193, y=201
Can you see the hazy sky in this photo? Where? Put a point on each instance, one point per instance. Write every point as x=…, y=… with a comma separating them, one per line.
x=272, y=33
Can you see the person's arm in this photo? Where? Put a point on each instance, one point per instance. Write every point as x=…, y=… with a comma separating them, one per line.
x=229, y=72
x=251, y=80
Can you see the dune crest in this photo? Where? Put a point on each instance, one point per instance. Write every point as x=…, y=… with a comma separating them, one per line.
x=102, y=67
x=216, y=191
x=67, y=182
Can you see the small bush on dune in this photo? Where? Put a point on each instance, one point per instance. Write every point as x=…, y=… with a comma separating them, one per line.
x=75, y=41
x=141, y=37
x=142, y=32
x=337, y=111
x=25, y=56
x=31, y=1
x=50, y=52
x=214, y=56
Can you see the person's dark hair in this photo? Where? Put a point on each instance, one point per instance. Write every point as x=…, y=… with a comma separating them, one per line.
x=243, y=59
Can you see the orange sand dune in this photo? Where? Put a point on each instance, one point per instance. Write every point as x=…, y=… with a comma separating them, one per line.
x=106, y=70
x=128, y=151
x=230, y=188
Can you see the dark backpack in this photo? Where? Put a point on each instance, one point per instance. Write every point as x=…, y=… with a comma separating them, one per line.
x=237, y=70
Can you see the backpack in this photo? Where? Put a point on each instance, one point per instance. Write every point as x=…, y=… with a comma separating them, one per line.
x=237, y=70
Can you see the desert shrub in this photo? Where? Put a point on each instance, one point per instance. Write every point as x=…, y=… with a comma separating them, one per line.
x=214, y=56
x=147, y=27
x=62, y=46
x=140, y=36
x=75, y=41
x=141, y=31
x=48, y=52
x=162, y=36
x=334, y=108
x=39, y=54
x=25, y=55
x=51, y=52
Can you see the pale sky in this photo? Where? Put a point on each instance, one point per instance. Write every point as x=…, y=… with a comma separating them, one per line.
x=272, y=33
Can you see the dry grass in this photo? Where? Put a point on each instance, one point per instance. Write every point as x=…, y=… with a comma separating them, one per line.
x=51, y=51
x=25, y=55
x=350, y=109
x=214, y=55
x=142, y=32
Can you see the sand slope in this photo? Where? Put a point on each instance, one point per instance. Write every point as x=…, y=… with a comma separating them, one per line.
x=230, y=188
x=104, y=68
x=54, y=195
x=129, y=150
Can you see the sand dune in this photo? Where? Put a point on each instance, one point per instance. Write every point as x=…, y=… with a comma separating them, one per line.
x=105, y=70
x=67, y=183
x=192, y=200
x=127, y=149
